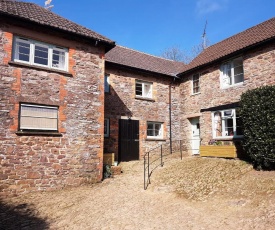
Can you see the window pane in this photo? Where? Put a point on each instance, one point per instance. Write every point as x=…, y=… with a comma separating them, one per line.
x=58, y=59
x=228, y=113
x=157, y=129
x=217, y=124
x=138, y=89
x=154, y=129
x=106, y=127
x=229, y=131
x=196, y=86
x=147, y=90
x=150, y=126
x=106, y=84
x=41, y=55
x=237, y=62
x=23, y=51
x=239, y=130
x=150, y=132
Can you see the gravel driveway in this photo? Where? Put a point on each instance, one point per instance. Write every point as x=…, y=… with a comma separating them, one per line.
x=193, y=193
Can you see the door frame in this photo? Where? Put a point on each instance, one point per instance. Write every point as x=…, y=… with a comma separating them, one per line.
x=195, y=140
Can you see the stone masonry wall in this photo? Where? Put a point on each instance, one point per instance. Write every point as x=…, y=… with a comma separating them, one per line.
x=40, y=162
x=122, y=103
x=259, y=70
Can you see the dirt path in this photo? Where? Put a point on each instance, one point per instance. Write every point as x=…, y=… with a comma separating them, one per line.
x=244, y=201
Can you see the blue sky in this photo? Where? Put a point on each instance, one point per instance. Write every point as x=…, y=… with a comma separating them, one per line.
x=151, y=26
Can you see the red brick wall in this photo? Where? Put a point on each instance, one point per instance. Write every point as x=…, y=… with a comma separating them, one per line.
x=37, y=162
x=121, y=103
x=259, y=70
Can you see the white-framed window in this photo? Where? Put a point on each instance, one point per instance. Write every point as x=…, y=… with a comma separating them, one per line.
x=38, y=117
x=144, y=89
x=41, y=54
x=106, y=127
x=106, y=83
x=195, y=83
x=226, y=123
x=232, y=73
x=154, y=129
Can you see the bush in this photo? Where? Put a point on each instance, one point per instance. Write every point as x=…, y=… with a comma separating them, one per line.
x=257, y=110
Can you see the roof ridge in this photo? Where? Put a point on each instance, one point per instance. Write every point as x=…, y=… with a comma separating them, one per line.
x=148, y=54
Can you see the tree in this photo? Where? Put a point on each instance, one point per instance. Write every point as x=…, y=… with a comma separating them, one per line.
x=175, y=53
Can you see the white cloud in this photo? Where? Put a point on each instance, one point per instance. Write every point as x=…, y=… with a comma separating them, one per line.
x=209, y=6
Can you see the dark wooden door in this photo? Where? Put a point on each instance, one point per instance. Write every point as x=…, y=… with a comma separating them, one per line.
x=128, y=140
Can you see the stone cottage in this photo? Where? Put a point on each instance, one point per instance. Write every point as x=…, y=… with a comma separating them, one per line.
x=141, y=102
x=214, y=81
x=52, y=100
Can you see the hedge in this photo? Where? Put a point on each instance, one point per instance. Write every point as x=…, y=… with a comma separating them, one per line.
x=257, y=112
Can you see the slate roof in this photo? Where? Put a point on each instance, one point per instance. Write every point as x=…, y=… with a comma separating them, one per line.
x=127, y=57
x=232, y=45
x=39, y=15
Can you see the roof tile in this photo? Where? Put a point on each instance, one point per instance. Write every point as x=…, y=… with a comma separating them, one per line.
x=252, y=36
x=132, y=58
x=40, y=15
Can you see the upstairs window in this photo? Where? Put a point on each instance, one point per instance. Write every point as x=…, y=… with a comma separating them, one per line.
x=195, y=84
x=144, y=89
x=38, y=117
x=154, y=130
x=226, y=123
x=106, y=83
x=232, y=73
x=40, y=54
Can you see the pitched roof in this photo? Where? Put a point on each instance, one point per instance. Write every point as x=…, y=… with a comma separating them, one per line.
x=39, y=15
x=248, y=38
x=131, y=58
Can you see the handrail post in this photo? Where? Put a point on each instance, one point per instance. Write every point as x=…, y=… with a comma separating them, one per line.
x=144, y=157
x=149, y=168
x=161, y=160
x=180, y=151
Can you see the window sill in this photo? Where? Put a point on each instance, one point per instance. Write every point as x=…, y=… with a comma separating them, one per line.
x=155, y=139
x=38, y=133
x=194, y=94
x=41, y=68
x=229, y=138
x=231, y=86
x=144, y=98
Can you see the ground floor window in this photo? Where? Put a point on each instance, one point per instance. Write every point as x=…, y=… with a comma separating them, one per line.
x=226, y=123
x=154, y=129
x=106, y=127
x=38, y=117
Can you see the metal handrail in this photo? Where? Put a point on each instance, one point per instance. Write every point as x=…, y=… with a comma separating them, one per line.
x=151, y=163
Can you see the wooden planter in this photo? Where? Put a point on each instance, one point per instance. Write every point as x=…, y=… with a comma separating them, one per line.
x=228, y=151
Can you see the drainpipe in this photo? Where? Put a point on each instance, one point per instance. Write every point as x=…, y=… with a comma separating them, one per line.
x=170, y=110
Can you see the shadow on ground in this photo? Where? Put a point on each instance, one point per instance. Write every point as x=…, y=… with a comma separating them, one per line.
x=20, y=217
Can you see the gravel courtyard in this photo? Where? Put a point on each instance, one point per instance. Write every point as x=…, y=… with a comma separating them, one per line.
x=193, y=193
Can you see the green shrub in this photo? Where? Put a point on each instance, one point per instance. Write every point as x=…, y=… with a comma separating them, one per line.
x=257, y=110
